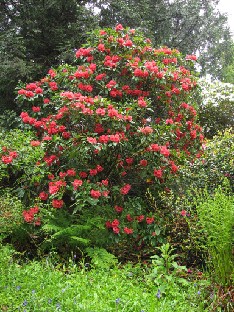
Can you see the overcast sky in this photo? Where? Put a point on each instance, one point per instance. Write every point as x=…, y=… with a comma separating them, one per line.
x=227, y=6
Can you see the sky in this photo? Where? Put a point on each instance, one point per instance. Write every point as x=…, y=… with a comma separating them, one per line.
x=227, y=6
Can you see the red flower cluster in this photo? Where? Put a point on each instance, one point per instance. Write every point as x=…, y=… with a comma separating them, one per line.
x=9, y=157
x=29, y=215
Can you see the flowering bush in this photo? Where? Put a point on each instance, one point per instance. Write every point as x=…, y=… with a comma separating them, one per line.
x=216, y=111
x=119, y=122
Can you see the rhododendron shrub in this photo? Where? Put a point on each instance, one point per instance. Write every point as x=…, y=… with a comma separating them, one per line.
x=119, y=122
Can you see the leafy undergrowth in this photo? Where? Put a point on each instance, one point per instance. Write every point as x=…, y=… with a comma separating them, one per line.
x=46, y=286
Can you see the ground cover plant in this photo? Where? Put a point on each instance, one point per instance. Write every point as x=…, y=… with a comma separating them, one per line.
x=46, y=286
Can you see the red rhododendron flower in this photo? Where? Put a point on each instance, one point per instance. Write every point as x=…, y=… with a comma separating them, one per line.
x=37, y=222
x=7, y=159
x=29, y=94
x=102, y=32
x=129, y=161
x=158, y=173
x=29, y=214
x=43, y=196
x=53, y=189
x=119, y=27
x=71, y=172
x=108, y=224
x=193, y=134
x=101, y=47
x=95, y=194
x=164, y=151
x=100, y=111
x=128, y=43
x=129, y=218
x=116, y=230
x=83, y=174
x=142, y=102
x=111, y=84
x=28, y=217
x=149, y=220
x=183, y=213
x=140, y=218
x=174, y=168
x=154, y=147
x=13, y=154
x=46, y=101
x=191, y=57
x=57, y=203
x=105, y=193
x=92, y=140
x=146, y=130
x=99, y=168
x=93, y=172
x=77, y=183
x=114, y=138
x=100, y=77
x=62, y=174
x=143, y=162
x=66, y=135
x=52, y=73
x=118, y=209
x=34, y=210
x=21, y=92
x=36, y=109
x=47, y=138
x=115, y=223
x=128, y=231
x=105, y=182
x=50, y=176
x=35, y=143
x=125, y=189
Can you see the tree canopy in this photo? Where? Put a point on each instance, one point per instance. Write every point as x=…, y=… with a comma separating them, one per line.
x=35, y=34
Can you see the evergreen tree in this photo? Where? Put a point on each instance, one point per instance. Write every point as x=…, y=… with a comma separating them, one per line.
x=34, y=34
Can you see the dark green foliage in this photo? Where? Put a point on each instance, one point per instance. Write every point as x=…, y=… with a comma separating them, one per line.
x=216, y=163
x=228, y=67
x=34, y=35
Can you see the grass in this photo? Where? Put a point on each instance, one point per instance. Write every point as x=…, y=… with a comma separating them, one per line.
x=42, y=286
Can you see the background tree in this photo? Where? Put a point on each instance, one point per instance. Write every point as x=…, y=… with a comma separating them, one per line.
x=34, y=35
x=192, y=26
x=228, y=67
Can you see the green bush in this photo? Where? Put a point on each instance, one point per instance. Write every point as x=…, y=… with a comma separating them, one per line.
x=45, y=286
x=216, y=219
x=11, y=209
x=213, y=166
x=20, y=166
